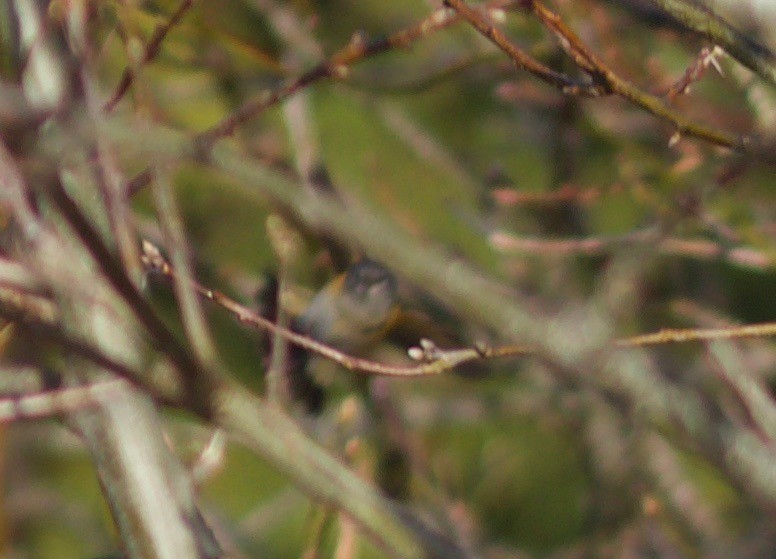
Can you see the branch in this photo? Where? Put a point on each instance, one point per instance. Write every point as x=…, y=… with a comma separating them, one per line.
x=174, y=234
x=627, y=374
x=436, y=360
x=669, y=335
x=523, y=60
x=58, y=402
x=199, y=378
x=336, y=66
x=700, y=249
x=707, y=57
x=150, y=52
x=701, y=19
x=605, y=79
x=600, y=71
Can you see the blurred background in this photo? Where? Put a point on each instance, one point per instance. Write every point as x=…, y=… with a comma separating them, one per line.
x=567, y=201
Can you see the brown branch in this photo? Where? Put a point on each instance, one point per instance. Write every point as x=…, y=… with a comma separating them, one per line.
x=522, y=59
x=337, y=65
x=199, y=379
x=150, y=52
x=47, y=329
x=700, y=249
x=435, y=360
x=669, y=335
x=605, y=79
x=694, y=15
x=707, y=57
x=593, y=64
x=507, y=197
x=58, y=402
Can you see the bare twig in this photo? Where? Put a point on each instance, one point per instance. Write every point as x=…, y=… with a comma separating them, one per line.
x=700, y=249
x=746, y=50
x=605, y=80
x=593, y=64
x=631, y=377
x=669, y=335
x=522, y=59
x=150, y=52
x=57, y=402
x=707, y=57
x=337, y=65
x=753, y=395
x=436, y=360
x=285, y=245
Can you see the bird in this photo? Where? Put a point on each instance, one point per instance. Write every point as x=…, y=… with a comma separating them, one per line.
x=352, y=313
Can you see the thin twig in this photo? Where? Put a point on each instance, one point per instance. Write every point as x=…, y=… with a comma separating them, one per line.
x=358, y=49
x=707, y=57
x=285, y=244
x=150, y=52
x=700, y=249
x=438, y=360
x=746, y=50
x=435, y=360
x=47, y=329
x=522, y=59
x=669, y=335
x=593, y=64
x=58, y=402
x=337, y=65
x=605, y=80
x=194, y=323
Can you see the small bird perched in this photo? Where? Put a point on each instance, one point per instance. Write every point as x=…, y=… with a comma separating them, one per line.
x=352, y=313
